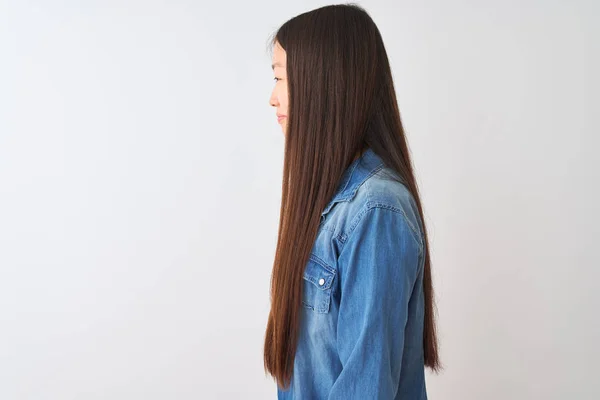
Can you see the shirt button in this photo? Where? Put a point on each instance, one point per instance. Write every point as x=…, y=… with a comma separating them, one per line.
x=321, y=282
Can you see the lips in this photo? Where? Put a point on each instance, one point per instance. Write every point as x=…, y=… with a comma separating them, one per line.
x=280, y=117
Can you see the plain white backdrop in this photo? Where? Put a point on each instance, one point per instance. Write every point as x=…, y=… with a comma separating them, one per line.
x=140, y=178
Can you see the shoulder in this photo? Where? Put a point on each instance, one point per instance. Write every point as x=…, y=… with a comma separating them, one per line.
x=383, y=196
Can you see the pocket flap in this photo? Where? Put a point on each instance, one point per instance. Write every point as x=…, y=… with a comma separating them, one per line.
x=319, y=273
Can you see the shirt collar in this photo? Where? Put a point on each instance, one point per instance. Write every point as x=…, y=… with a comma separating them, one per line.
x=355, y=175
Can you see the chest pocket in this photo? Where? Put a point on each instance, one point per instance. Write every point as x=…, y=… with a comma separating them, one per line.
x=316, y=291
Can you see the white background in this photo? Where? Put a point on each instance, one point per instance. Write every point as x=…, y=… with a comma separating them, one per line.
x=140, y=178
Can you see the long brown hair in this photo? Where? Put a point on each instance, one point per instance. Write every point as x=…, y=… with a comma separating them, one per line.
x=341, y=100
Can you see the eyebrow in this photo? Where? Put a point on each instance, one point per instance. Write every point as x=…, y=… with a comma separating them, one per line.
x=277, y=64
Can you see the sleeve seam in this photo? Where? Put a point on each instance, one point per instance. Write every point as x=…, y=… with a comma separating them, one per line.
x=372, y=206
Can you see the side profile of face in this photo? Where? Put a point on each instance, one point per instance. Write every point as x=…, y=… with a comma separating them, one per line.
x=279, y=95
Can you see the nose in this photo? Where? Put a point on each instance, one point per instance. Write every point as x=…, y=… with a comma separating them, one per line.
x=273, y=101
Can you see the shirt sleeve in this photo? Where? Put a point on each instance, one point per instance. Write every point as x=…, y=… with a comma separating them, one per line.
x=378, y=267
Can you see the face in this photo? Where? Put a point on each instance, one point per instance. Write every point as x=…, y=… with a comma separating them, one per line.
x=279, y=96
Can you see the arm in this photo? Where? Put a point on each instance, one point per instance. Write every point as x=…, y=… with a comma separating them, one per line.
x=378, y=267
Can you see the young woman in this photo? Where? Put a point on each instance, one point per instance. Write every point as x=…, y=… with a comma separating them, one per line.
x=352, y=305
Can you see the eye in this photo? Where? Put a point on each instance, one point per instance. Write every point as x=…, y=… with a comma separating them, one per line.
x=276, y=79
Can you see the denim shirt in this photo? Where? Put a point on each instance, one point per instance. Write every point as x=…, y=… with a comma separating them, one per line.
x=361, y=329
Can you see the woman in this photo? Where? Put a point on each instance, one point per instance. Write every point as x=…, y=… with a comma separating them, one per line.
x=352, y=306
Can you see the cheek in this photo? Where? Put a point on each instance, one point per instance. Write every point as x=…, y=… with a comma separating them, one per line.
x=282, y=92
x=284, y=99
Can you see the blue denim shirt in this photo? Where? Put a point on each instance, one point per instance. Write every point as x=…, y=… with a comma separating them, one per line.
x=361, y=330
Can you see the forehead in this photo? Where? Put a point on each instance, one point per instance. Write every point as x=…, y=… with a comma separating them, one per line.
x=278, y=56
